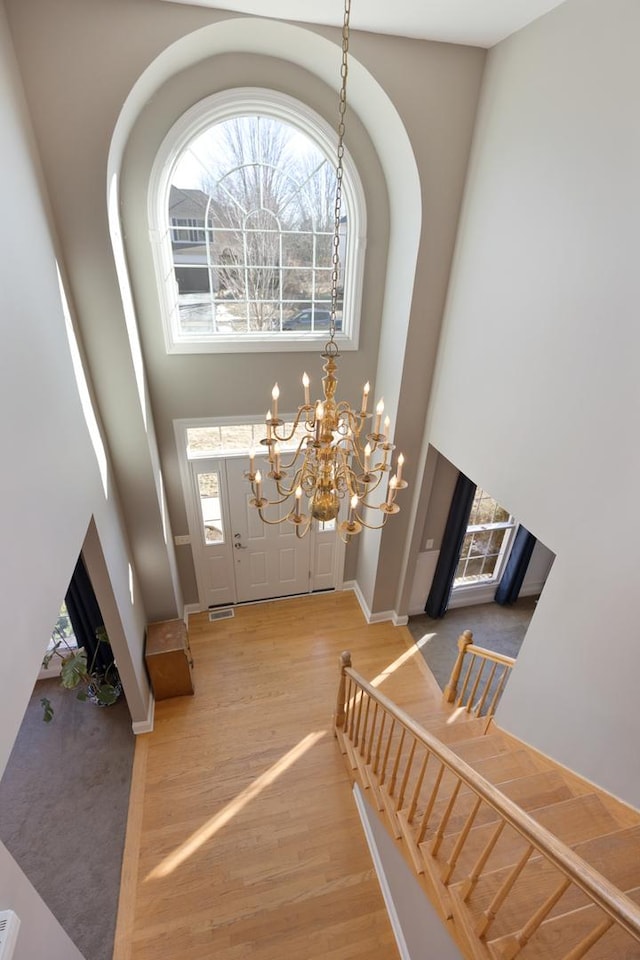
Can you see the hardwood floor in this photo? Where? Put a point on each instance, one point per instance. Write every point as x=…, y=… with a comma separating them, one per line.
x=243, y=837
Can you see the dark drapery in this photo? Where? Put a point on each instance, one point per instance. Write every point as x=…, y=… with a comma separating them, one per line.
x=454, y=532
x=84, y=614
x=514, y=572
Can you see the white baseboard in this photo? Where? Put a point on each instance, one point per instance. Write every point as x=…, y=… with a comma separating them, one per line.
x=146, y=725
x=381, y=616
x=188, y=609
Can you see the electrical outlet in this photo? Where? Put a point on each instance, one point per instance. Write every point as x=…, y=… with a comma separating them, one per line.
x=182, y=540
x=429, y=544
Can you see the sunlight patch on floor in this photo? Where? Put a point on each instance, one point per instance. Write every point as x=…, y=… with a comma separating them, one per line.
x=211, y=827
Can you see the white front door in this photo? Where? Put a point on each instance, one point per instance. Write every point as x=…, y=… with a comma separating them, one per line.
x=238, y=558
x=269, y=560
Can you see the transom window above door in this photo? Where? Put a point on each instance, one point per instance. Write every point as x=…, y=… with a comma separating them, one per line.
x=242, y=204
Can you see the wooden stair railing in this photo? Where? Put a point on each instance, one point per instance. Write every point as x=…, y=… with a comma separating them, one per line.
x=411, y=774
x=479, y=694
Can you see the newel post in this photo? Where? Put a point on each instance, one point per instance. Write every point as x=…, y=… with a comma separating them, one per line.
x=464, y=640
x=345, y=661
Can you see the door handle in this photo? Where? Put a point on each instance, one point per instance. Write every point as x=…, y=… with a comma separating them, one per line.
x=238, y=546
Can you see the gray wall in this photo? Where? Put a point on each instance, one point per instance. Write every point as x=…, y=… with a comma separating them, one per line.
x=542, y=326
x=51, y=488
x=429, y=91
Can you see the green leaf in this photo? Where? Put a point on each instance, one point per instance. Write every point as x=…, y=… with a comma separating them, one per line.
x=74, y=668
x=107, y=694
x=81, y=695
x=47, y=709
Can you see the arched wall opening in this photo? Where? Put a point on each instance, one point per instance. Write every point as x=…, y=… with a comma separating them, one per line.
x=377, y=116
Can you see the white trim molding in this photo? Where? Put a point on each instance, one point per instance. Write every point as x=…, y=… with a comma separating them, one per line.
x=146, y=725
x=382, y=616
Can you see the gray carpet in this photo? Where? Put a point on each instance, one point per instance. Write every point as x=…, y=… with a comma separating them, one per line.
x=63, y=811
x=501, y=629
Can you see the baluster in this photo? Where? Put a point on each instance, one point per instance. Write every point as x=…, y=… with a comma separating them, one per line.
x=460, y=842
x=451, y=688
x=442, y=826
x=396, y=764
x=360, y=698
x=373, y=731
x=466, y=680
x=379, y=743
x=385, y=759
x=585, y=945
x=482, y=664
x=487, y=687
x=351, y=704
x=499, y=688
x=341, y=704
x=407, y=773
x=519, y=940
x=417, y=787
x=424, y=823
x=363, y=738
x=476, y=871
x=489, y=914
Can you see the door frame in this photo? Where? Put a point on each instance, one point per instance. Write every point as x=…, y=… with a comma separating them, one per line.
x=193, y=517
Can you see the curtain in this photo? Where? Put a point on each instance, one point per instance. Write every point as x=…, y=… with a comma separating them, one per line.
x=454, y=532
x=514, y=572
x=84, y=614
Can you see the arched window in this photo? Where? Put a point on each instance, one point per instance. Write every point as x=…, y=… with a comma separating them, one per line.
x=242, y=214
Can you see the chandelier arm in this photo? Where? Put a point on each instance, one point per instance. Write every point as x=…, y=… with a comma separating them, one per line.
x=303, y=441
x=370, y=526
x=272, y=523
x=304, y=409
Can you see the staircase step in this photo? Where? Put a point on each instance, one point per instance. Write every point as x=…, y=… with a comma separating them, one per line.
x=536, y=790
x=499, y=770
x=615, y=855
x=481, y=748
x=462, y=728
x=573, y=821
x=556, y=937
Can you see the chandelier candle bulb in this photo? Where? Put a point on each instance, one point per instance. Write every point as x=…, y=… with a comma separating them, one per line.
x=393, y=483
x=268, y=425
x=276, y=452
x=319, y=418
x=252, y=457
x=275, y=393
x=305, y=384
x=387, y=424
x=298, y=499
x=367, y=457
x=399, y=467
x=379, y=412
x=352, y=507
x=365, y=398
x=258, y=486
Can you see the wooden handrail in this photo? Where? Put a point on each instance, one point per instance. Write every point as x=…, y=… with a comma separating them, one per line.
x=490, y=655
x=624, y=911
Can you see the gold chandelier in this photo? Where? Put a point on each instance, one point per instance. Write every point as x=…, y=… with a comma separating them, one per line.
x=330, y=462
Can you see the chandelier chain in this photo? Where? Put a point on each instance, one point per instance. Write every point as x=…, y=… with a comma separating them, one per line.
x=342, y=107
x=338, y=455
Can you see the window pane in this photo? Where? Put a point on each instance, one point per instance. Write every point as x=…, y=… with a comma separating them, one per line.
x=251, y=219
x=208, y=488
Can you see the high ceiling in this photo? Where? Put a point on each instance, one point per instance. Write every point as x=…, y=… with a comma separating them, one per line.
x=480, y=23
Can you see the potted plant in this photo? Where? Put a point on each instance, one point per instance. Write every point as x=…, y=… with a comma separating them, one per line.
x=100, y=685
